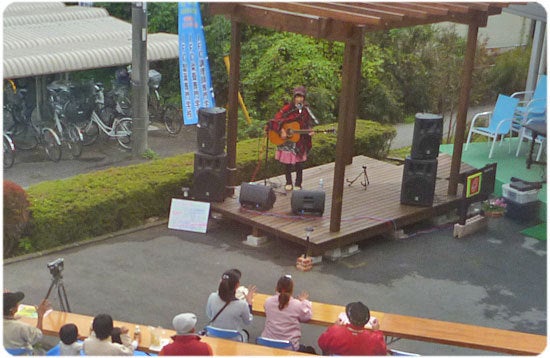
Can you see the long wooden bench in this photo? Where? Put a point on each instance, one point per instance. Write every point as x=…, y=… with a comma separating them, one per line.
x=220, y=347
x=430, y=330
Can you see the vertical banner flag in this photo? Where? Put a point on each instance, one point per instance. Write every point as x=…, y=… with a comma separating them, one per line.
x=196, y=85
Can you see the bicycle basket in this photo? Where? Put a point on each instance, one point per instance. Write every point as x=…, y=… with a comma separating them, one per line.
x=154, y=78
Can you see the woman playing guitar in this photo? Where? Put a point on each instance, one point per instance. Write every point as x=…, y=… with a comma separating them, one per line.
x=292, y=151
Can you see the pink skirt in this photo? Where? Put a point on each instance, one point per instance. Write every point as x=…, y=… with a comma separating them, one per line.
x=287, y=157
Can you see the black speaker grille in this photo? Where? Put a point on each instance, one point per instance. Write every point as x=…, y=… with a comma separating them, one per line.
x=211, y=131
x=210, y=177
x=418, y=185
x=428, y=131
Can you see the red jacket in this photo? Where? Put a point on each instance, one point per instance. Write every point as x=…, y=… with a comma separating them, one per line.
x=186, y=345
x=352, y=341
x=289, y=113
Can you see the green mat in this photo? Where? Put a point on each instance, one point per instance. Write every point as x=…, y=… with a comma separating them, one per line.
x=538, y=232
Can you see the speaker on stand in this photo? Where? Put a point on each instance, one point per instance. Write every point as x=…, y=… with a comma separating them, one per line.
x=210, y=165
x=420, y=169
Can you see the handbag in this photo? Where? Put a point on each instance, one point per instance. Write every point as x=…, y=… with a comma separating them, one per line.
x=202, y=332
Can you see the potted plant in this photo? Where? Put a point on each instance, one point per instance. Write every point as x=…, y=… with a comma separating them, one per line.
x=494, y=208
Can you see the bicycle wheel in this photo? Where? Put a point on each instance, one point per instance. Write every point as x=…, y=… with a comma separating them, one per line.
x=123, y=133
x=74, y=139
x=9, y=152
x=24, y=136
x=52, y=145
x=172, y=118
x=90, y=132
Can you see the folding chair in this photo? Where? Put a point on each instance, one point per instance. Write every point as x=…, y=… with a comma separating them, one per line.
x=532, y=104
x=500, y=121
x=224, y=333
x=275, y=343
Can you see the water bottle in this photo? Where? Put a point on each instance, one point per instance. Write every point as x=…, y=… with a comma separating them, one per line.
x=137, y=334
x=321, y=184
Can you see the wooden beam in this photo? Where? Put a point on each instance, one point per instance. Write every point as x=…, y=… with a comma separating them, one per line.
x=233, y=105
x=280, y=20
x=463, y=103
x=324, y=11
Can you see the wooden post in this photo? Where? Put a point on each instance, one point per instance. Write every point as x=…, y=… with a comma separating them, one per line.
x=346, y=116
x=463, y=103
x=233, y=106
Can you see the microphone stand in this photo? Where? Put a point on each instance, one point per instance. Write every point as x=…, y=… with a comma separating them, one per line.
x=266, y=154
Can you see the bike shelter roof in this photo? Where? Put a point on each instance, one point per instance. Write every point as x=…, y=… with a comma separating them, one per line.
x=50, y=37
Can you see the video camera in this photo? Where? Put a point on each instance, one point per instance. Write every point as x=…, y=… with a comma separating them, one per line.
x=56, y=267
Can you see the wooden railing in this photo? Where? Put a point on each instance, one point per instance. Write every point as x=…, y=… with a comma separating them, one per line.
x=430, y=330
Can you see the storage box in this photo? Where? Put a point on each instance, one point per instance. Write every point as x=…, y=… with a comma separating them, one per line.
x=522, y=212
x=520, y=197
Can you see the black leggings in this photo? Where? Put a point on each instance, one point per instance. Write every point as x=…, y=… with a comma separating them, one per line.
x=288, y=173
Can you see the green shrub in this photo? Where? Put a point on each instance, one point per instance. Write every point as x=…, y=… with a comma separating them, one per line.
x=88, y=205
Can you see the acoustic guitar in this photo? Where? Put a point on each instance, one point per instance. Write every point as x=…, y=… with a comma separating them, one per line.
x=293, y=133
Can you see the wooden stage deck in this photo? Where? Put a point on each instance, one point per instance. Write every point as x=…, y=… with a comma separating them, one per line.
x=365, y=213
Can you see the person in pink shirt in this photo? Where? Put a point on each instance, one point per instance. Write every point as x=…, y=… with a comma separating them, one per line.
x=284, y=314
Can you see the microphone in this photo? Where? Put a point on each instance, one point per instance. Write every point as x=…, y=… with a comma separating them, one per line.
x=299, y=106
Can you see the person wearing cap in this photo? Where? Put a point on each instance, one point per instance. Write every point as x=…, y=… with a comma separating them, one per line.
x=284, y=314
x=99, y=342
x=293, y=152
x=186, y=342
x=18, y=334
x=353, y=338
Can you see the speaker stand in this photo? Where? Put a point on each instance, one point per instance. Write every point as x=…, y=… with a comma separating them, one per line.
x=365, y=181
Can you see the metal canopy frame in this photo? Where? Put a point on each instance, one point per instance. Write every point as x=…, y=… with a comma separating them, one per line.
x=348, y=22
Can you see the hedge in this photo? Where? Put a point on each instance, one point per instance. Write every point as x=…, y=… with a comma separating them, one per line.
x=87, y=205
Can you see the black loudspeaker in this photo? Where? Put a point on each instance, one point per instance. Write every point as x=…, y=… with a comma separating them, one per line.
x=211, y=130
x=428, y=131
x=418, y=184
x=308, y=202
x=209, y=177
x=256, y=196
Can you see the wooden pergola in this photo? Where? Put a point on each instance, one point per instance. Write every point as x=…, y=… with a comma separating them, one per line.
x=348, y=22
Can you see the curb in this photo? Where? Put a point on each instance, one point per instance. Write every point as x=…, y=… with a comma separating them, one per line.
x=94, y=240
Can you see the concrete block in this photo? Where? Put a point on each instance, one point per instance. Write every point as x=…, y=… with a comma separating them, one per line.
x=256, y=241
x=341, y=252
x=473, y=224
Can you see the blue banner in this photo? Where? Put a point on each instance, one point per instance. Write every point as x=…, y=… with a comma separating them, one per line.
x=196, y=85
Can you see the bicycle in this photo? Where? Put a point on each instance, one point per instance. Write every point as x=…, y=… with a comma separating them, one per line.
x=159, y=110
x=9, y=151
x=60, y=103
x=25, y=134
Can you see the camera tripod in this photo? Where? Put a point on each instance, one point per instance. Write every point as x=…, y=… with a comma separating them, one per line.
x=365, y=181
x=57, y=281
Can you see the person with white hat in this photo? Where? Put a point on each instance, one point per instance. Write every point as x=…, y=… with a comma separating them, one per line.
x=293, y=148
x=18, y=334
x=186, y=342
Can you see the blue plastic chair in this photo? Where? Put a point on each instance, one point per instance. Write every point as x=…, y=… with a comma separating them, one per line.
x=224, y=333
x=395, y=352
x=54, y=351
x=530, y=100
x=275, y=343
x=18, y=351
x=500, y=122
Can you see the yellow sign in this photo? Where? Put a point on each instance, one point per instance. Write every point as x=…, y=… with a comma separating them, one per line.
x=473, y=184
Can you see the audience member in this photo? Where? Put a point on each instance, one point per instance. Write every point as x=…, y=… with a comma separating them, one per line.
x=99, y=343
x=284, y=313
x=353, y=339
x=116, y=337
x=69, y=346
x=186, y=342
x=18, y=334
x=226, y=311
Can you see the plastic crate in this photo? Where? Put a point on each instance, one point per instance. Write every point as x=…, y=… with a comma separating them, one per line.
x=520, y=197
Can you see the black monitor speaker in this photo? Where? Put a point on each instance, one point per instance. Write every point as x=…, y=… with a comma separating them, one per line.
x=256, y=196
x=211, y=130
x=418, y=185
x=310, y=202
x=210, y=176
x=427, y=135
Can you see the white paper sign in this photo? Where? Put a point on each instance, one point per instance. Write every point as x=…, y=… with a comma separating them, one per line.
x=189, y=215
